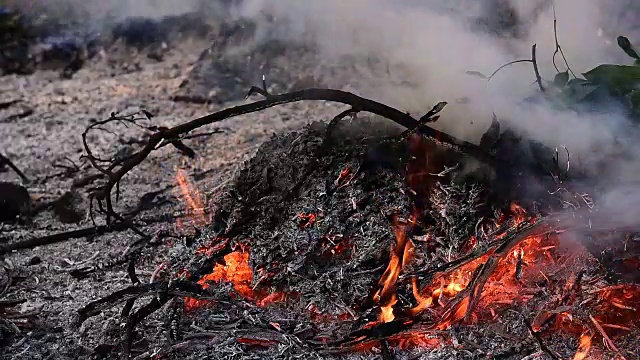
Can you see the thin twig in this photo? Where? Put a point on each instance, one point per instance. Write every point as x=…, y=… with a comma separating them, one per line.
x=540, y=342
x=9, y=281
x=6, y=161
x=558, y=47
x=505, y=65
x=72, y=234
x=535, y=68
x=606, y=337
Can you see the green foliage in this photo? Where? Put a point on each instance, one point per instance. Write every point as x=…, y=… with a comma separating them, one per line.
x=620, y=82
x=561, y=79
x=619, y=79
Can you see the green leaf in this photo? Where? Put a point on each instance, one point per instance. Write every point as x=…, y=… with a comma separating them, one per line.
x=626, y=46
x=561, y=79
x=620, y=79
x=578, y=90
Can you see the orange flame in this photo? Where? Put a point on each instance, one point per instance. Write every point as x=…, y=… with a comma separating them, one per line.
x=193, y=201
x=235, y=270
x=400, y=255
x=584, y=347
x=502, y=288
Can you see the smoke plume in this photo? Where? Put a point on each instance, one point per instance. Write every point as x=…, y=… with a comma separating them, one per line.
x=436, y=43
x=440, y=43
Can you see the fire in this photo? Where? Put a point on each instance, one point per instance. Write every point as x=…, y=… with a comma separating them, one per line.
x=193, y=201
x=305, y=220
x=520, y=214
x=523, y=270
x=520, y=270
x=442, y=295
x=235, y=270
x=584, y=347
x=401, y=252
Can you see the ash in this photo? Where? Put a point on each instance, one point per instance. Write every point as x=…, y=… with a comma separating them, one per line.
x=299, y=174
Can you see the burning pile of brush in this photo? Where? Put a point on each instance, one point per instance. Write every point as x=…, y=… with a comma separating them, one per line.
x=453, y=270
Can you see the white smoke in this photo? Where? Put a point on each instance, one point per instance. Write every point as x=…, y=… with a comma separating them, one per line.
x=440, y=43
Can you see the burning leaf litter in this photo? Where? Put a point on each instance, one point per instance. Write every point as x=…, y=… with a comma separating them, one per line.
x=433, y=282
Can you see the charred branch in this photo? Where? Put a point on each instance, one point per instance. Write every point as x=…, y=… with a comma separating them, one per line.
x=4, y=161
x=474, y=290
x=115, y=169
x=74, y=234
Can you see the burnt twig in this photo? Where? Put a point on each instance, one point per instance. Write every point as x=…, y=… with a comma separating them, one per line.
x=334, y=122
x=538, y=339
x=535, y=68
x=428, y=274
x=181, y=288
x=23, y=114
x=96, y=307
x=9, y=103
x=5, y=161
x=386, y=352
x=72, y=234
x=155, y=304
x=6, y=287
x=131, y=270
x=474, y=290
x=605, y=337
x=558, y=47
x=429, y=117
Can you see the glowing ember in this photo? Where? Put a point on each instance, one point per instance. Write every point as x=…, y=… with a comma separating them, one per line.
x=306, y=220
x=235, y=270
x=584, y=347
x=346, y=175
x=519, y=272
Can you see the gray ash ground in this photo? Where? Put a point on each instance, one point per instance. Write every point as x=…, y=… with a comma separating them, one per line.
x=44, y=144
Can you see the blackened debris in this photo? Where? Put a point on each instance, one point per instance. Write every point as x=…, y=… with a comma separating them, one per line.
x=142, y=32
x=139, y=32
x=14, y=201
x=66, y=207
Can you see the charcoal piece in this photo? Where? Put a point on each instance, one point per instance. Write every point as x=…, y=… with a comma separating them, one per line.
x=14, y=201
x=35, y=260
x=66, y=207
